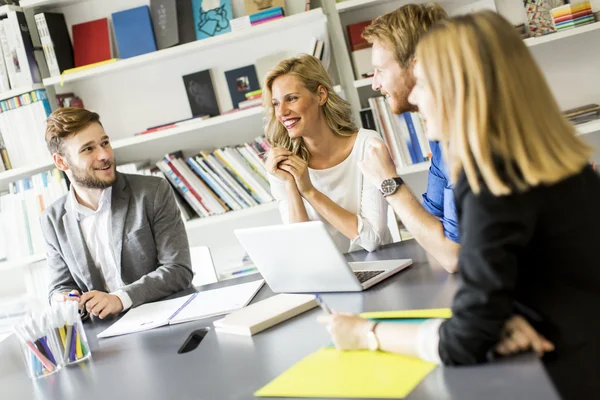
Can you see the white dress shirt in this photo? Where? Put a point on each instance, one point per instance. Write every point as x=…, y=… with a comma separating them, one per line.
x=96, y=227
x=345, y=186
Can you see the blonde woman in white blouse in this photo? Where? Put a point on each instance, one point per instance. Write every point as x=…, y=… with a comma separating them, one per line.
x=313, y=166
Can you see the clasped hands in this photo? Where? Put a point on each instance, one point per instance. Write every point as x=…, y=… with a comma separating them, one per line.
x=289, y=168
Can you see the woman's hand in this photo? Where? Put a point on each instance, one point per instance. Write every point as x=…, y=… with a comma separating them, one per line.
x=298, y=168
x=275, y=156
x=377, y=165
x=348, y=331
x=518, y=336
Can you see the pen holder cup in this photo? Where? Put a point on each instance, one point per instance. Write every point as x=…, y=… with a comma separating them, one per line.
x=40, y=349
x=73, y=342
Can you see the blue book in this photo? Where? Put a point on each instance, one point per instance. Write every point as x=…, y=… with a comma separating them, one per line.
x=415, y=152
x=134, y=33
x=211, y=22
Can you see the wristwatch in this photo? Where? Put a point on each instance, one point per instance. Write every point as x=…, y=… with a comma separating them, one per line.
x=390, y=186
x=372, y=341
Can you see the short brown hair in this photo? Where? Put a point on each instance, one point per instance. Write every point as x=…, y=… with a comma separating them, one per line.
x=403, y=28
x=65, y=122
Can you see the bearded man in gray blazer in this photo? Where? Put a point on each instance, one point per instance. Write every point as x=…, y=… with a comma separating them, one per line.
x=115, y=241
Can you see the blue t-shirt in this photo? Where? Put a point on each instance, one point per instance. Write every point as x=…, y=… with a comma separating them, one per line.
x=439, y=198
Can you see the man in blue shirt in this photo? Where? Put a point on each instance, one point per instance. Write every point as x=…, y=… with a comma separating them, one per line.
x=434, y=224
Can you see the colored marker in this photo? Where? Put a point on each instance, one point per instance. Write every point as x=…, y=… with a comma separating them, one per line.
x=322, y=304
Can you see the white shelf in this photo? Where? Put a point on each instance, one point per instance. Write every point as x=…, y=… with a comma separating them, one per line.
x=588, y=127
x=22, y=261
x=185, y=49
x=47, y=4
x=561, y=35
x=19, y=173
x=414, y=168
x=20, y=91
x=198, y=223
x=363, y=82
x=5, y=9
x=349, y=5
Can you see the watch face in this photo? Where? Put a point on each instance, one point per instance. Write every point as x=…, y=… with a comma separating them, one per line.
x=388, y=186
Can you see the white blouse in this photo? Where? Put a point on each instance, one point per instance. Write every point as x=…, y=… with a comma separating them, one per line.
x=344, y=185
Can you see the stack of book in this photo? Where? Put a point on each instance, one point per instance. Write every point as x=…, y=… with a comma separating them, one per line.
x=21, y=207
x=404, y=134
x=22, y=127
x=583, y=114
x=572, y=15
x=253, y=99
x=267, y=16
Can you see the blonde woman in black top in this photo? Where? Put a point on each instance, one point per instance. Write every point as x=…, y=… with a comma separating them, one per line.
x=528, y=206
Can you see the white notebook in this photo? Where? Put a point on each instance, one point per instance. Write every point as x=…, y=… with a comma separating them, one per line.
x=183, y=309
x=266, y=313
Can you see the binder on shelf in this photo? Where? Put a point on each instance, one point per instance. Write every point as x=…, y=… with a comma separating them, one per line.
x=91, y=42
x=134, y=33
x=56, y=42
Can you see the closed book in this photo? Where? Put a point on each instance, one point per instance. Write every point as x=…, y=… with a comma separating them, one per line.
x=201, y=93
x=264, y=314
x=366, y=117
x=185, y=22
x=21, y=50
x=56, y=42
x=211, y=21
x=91, y=42
x=240, y=82
x=164, y=21
x=357, y=42
x=361, y=60
x=268, y=14
x=134, y=33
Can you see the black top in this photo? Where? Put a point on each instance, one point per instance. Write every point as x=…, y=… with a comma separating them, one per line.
x=535, y=253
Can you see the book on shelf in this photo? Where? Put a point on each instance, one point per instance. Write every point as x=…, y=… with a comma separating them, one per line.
x=22, y=125
x=266, y=16
x=185, y=22
x=360, y=49
x=404, y=134
x=583, y=114
x=164, y=21
x=211, y=17
x=175, y=124
x=201, y=93
x=18, y=51
x=21, y=208
x=241, y=81
x=91, y=42
x=133, y=31
x=56, y=42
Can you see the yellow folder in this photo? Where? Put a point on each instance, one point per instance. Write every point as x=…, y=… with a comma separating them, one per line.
x=431, y=313
x=349, y=374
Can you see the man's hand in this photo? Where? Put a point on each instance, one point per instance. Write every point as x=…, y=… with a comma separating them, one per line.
x=101, y=304
x=377, y=165
x=518, y=336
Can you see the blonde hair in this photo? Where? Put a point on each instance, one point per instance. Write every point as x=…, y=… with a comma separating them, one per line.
x=66, y=122
x=494, y=107
x=312, y=74
x=403, y=28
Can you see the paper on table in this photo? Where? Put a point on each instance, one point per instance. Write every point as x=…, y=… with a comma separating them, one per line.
x=218, y=301
x=431, y=313
x=331, y=373
x=145, y=317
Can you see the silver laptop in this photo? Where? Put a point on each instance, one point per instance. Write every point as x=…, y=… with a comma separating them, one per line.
x=302, y=258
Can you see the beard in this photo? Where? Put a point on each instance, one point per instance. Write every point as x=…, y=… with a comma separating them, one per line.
x=84, y=178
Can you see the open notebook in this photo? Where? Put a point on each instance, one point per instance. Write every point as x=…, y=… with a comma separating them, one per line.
x=183, y=309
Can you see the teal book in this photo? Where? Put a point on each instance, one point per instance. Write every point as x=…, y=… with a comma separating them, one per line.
x=211, y=17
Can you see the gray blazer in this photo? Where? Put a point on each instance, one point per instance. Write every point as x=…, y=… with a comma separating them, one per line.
x=147, y=232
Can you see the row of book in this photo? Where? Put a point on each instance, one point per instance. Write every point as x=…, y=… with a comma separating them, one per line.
x=20, y=209
x=142, y=30
x=18, y=64
x=22, y=127
x=572, y=15
x=212, y=183
x=404, y=134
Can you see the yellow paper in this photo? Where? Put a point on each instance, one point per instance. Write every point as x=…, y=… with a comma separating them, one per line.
x=349, y=374
x=432, y=313
x=78, y=351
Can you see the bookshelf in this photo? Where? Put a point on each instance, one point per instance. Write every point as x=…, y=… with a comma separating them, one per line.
x=367, y=82
x=270, y=28
x=588, y=127
x=47, y=4
x=353, y=5
x=19, y=91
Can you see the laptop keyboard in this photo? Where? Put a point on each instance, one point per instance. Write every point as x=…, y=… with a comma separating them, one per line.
x=364, y=276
